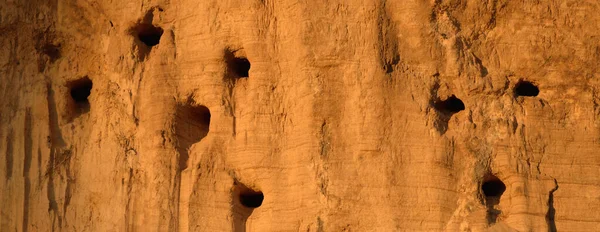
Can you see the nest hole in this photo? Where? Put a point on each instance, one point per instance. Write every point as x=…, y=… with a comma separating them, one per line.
x=149, y=34
x=248, y=198
x=451, y=105
x=191, y=126
x=238, y=65
x=80, y=90
x=244, y=201
x=493, y=187
x=251, y=199
x=526, y=89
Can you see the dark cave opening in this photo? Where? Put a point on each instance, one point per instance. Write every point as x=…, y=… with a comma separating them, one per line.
x=80, y=90
x=492, y=188
x=526, y=89
x=238, y=65
x=251, y=199
x=451, y=105
x=192, y=123
x=149, y=34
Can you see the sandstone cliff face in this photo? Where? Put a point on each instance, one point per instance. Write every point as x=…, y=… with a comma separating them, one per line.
x=413, y=115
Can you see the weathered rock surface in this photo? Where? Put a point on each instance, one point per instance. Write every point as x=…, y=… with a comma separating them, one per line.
x=413, y=115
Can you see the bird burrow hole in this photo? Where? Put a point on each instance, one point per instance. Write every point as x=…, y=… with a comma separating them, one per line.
x=238, y=66
x=244, y=200
x=148, y=33
x=492, y=189
x=79, y=91
x=526, y=89
x=249, y=198
x=191, y=126
x=451, y=105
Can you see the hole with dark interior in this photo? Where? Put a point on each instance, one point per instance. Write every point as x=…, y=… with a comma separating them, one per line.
x=527, y=89
x=149, y=34
x=493, y=187
x=238, y=65
x=80, y=90
x=251, y=199
x=451, y=105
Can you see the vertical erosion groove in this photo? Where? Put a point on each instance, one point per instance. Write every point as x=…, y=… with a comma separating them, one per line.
x=9, y=155
x=388, y=40
x=237, y=66
x=56, y=142
x=551, y=211
x=27, y=166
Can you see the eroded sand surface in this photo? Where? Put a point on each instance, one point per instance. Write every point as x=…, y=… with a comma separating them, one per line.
x=262, y=115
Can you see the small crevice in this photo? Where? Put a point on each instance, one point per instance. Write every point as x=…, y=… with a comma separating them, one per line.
x=324, y=140
x=482, y=69
x=320, y=224
x=9, y=155
x=237, y=67
x=129, y=204
x=55, y=140
x=388, y=50
x=28, y=148
x=58, y=156
x=551, y=210
x=50, y=192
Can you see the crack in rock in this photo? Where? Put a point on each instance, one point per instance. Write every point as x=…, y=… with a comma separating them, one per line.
x=551, y=211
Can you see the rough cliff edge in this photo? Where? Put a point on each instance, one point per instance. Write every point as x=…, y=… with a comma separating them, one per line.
x=261, y=115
